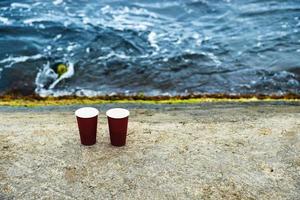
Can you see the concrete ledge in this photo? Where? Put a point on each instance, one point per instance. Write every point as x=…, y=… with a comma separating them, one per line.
x=207, y=151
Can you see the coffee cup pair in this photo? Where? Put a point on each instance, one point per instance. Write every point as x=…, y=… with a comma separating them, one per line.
x=87, y=119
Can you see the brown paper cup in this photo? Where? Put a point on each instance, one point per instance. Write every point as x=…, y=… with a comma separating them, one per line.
x=117, y=124
x=87, y=119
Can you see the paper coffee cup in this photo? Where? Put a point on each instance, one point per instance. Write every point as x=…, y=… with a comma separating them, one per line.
x=87, y=118
x=117, y=124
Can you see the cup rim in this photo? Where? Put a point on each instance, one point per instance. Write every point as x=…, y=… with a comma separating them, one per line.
x=117, y=113
x=86, y=112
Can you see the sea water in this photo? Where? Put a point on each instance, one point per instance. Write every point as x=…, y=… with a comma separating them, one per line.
x=158, y=47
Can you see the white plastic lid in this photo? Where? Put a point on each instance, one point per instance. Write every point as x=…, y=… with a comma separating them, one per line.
x=86, y=112
x=117, y=113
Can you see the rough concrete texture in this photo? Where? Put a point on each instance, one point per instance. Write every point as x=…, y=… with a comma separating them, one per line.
x=206, y=151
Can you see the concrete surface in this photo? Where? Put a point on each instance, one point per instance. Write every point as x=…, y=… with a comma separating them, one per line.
x=208, y=151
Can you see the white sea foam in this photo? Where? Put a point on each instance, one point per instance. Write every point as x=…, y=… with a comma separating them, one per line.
x=42, y=26
x=127, y=10
x=20, y=5
x=258, y=44
x=37, y=4
x=197, y=38
x=152, y=38
x=67, y=92
x=285, y=25
x=32, y=20
x=105, y=9
x=58, y=37
x=126, y=18
x=45, y=92
x=72, y=46
x=160, y=4
x=121, y=22
x=44, y=75
x=5, y=20
x=61, y=19
x=80, y=92
x=57, y=2
x=88, y=93
x=12, y=60
x=214, y=58
x=113, y=54
x=52, y=18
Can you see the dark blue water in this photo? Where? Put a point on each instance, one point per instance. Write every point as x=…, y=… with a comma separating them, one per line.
x=158, y=47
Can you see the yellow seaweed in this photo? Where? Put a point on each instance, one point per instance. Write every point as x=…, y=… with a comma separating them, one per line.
x=51, y=101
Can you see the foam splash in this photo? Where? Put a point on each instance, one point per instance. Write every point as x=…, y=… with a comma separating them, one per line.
x=47, y=75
